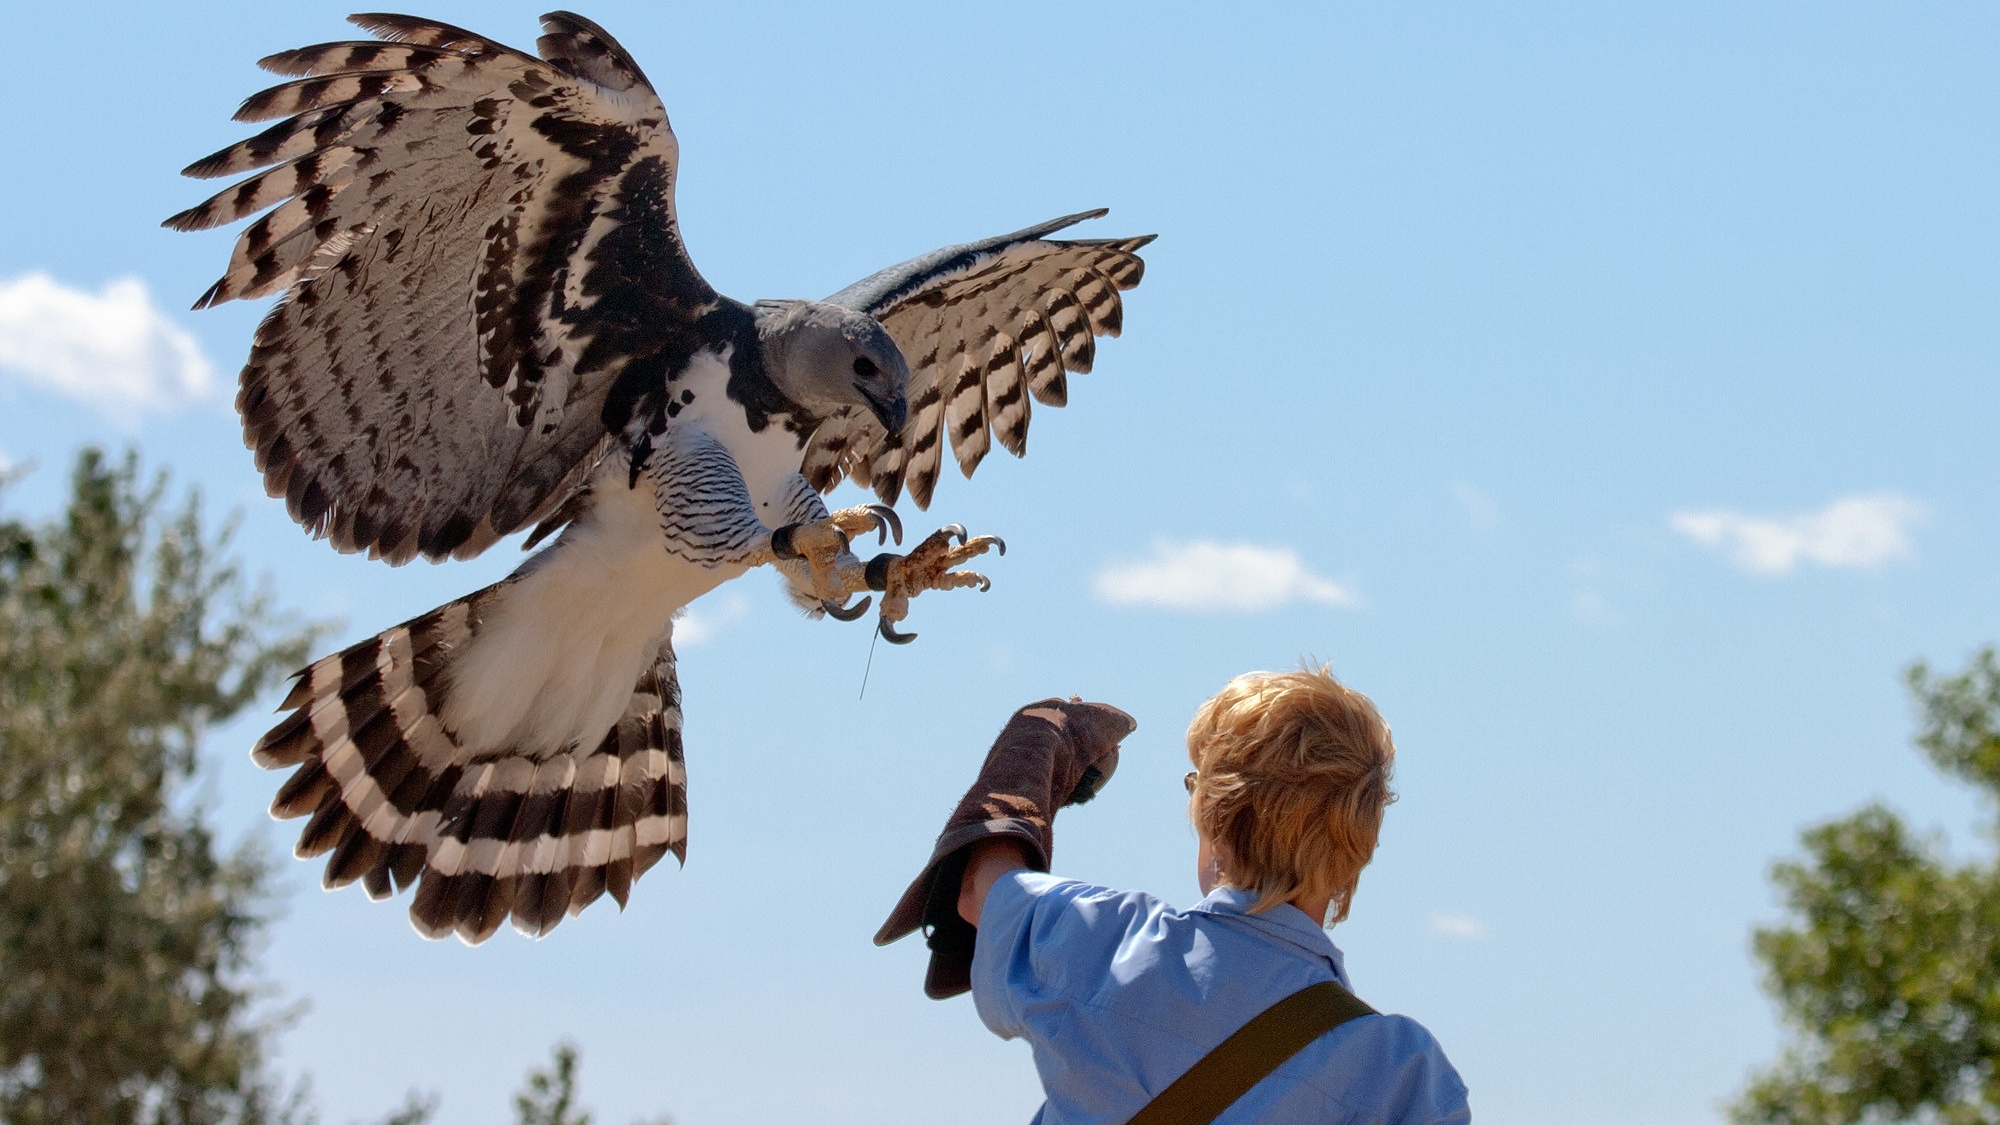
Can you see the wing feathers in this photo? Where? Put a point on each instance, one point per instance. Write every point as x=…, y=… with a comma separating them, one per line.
x=1072, y=328
x=289, y=98
x=352, y=57
x=428, y=33
x=965, y=410
x=283, y=141
x=247, y=197
x=986, y=327
x=581, y=47
x=895, y=287
x=445, y=218
x=1006, y=396
x=1046, y=379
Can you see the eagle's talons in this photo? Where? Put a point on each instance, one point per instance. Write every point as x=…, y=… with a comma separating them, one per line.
x=846, y=613
x=888, y=523
x=957, y=531
x=853, y=523
x=927, y=567
x=823, y=544
x=822, y=541
x=895, y=607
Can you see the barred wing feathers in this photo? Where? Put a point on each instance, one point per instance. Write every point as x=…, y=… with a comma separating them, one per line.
x=472, y=245
x=393, y=799
x=986, y=327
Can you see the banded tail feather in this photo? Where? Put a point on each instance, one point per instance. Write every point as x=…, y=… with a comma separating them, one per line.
x=393, y=799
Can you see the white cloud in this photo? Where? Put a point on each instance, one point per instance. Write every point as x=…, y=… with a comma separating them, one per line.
x=699, y=626
x=1480, y=510
x=1858, y=532
x=1215, y=577
x=1461, y=926
x=112, y=349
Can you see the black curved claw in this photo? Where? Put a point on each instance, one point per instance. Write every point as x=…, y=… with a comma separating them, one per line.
x=848, y=613
x=890, y=634
x=887, y=523
x=985, y=584
x=955, y=529
x=999, y=544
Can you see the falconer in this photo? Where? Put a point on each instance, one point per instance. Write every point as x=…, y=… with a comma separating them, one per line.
x=1238, y=1010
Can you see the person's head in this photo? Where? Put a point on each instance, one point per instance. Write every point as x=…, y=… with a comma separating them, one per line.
x=1291, y=778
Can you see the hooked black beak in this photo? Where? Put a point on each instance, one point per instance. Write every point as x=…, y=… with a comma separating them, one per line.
x=892, y=412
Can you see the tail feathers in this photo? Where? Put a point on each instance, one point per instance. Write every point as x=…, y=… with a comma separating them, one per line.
x=395, y=800
x=538, y=840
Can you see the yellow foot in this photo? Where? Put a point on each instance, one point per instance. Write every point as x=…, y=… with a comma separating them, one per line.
x=822, y=543
x=928, y=567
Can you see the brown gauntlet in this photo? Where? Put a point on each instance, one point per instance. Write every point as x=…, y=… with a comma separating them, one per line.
x=1050, y=754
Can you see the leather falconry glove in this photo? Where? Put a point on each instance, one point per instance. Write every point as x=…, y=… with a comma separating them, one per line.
x=1050, y=754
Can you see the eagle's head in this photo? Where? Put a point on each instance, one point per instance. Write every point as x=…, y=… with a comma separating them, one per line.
x=824, y=357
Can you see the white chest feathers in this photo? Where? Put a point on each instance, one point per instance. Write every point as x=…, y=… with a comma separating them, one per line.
x=559, y=649
x=561, y=646
x=767, y=458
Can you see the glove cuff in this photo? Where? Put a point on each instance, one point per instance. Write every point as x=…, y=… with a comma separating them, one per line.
x=1050, y=754
x=952, y=940
x=917, y=907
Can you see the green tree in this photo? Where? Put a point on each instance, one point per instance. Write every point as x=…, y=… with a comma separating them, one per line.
x=1889, y=968
x=550, y=1096
x=417, y=1110
x=127, y=935
x=126, y=931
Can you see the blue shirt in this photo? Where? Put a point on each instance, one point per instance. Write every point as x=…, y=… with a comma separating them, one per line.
x=1119, y=994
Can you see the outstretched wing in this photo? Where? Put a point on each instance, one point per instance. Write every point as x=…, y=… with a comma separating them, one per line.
x=473, y=245
x=984, y=326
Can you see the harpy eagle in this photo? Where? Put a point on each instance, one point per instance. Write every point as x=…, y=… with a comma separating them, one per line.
x=487, y=322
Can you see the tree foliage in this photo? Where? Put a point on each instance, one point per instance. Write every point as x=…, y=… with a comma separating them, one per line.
x=127, y=936
x=550, y=1096
x=1889, y=968
x=126, y=932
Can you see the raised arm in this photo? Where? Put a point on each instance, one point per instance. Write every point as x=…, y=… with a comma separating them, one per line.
x=984, y=865
x=1050, y=754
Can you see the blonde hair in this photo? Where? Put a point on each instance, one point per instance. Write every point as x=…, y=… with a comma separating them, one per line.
x=1292, y=775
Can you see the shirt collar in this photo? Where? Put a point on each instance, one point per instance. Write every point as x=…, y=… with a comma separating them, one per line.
x=1284, y=921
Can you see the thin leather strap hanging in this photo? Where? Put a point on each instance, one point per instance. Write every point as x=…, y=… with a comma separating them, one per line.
x=1254, y=1051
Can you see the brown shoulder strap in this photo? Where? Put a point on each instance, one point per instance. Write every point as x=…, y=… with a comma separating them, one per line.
x=1254, y=1051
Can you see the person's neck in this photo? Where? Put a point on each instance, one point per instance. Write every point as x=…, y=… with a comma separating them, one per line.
x=1314, y=907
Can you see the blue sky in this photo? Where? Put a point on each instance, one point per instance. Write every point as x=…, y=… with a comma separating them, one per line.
x=1607, y=390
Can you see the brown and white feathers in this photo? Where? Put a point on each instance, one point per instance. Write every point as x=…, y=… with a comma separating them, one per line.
x=473, y=245
x=985, y=327
x=396, y=799
x=486, y=319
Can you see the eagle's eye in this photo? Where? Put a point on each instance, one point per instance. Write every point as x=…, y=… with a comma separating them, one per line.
x=864, y=367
